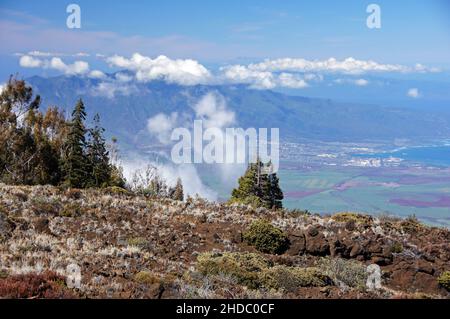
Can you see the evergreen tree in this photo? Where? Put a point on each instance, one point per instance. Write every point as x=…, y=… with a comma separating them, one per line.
x=275, y=194
x=98, y=156
x=75, y=163
x=258, y=188
x=176, y=192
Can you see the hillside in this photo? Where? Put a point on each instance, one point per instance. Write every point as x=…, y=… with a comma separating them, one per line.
x=129, y=105
x=129, y=246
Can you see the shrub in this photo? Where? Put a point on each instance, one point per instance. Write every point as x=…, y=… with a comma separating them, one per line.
x=73, y=193
x=349, y=272
x=140, y=242
x=116, y=190
x=245, y=267
x=352, y=217
x=254, y=271
x=251, y=200
x=46, y=285
x=71, y=210
x=146, y=278
x=444, y=280
x=296, y=213
x=42, y=206
x=291, y=278
x=266, y=237
x=397, y=247
x=411, y=225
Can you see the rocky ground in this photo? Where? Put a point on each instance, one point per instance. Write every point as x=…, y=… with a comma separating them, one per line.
x=129, y=246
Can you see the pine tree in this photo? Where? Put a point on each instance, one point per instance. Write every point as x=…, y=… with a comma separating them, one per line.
x=75, y=163
x=176, y=193
x=258, y=188
x=98, y=156
x=275, y=192
x=248, y=191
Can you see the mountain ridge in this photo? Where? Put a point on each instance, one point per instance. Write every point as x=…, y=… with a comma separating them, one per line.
x=125, y=114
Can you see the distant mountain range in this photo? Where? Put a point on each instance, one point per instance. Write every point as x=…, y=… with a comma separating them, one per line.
x=126, y=107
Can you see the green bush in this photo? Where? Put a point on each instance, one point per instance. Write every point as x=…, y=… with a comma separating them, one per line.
x=254, y=271
x=43, y=206
x=266, y=237
x=140, y=242
x=411, y=225
x=444, y=280
x=350, y=272
x=345, y=217
x=71, y=210
x=291, y=278
x=397, y=247
x=116, y=190
x=146, y=278
x=245, y=267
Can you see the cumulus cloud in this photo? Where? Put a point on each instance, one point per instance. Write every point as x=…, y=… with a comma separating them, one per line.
x=184, y=72
x=37, y=53
x=192, y=183
x=212, y=110
x=348, y=65
x=110, y=89
x=123, y=77
x=76, y=68
x=264, y=79
x=361, y=82
x=28, y=61
x=242, y=74
x=413, y=93
x=97, y=74
x=290, y=80
x=358, y=82
x=295, y=73
x=161, y=125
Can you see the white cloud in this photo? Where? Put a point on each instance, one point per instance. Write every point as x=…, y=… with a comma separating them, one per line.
x=76, y=68
x=295, y=73
x=192, y=183
x=110, y=89
x=358, y=82
x=2, y=86
x=184, y=72
x=27, y=61
x=123, y=77
x=361, y=82
x=264, y=79
x=212, y=109
x=348, y=65
x=290, y=80
x=81, y=54
x=242, y=74
x=162, y=125
x=43, y=54
x=413, y=93
x=97, y=74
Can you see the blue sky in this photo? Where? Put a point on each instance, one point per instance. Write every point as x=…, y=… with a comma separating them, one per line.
x=222, y=32
x=412, y=31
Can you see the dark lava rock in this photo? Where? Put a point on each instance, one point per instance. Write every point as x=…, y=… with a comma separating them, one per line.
x=297, y=244
x=317, y=245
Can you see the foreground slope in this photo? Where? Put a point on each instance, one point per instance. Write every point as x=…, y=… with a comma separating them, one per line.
x=129, y=246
